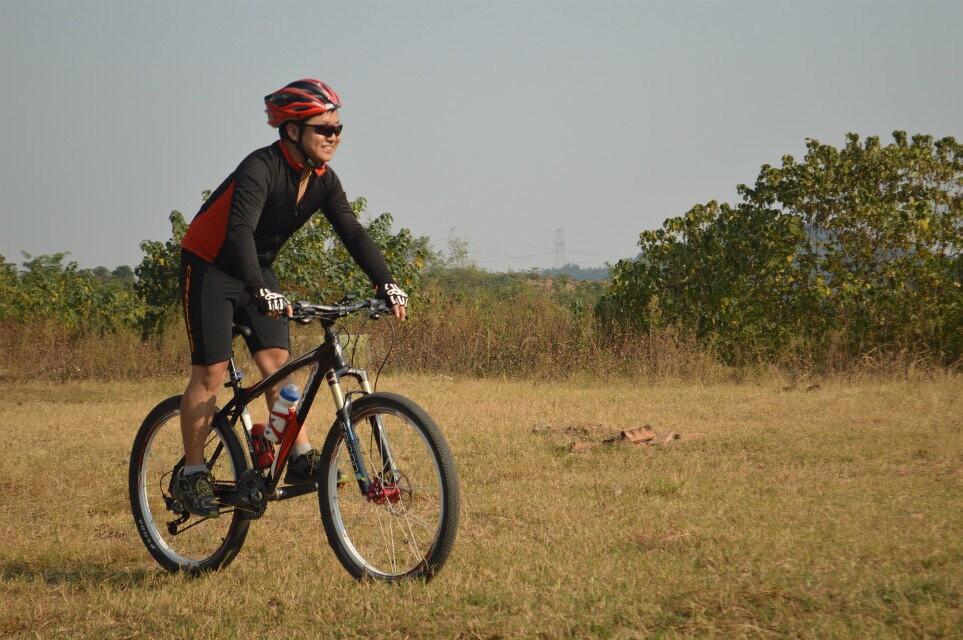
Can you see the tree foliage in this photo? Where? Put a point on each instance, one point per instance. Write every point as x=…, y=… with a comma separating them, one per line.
x=860, y=245
x=156, y=277
x=314, y=265
x=80, y=299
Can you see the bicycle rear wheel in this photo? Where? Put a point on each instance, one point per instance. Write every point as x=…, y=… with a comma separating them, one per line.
x=178, y=540
x=405, y=527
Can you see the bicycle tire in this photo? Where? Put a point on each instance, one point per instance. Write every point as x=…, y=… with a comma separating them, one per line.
x=412, y=535
x=203, y=544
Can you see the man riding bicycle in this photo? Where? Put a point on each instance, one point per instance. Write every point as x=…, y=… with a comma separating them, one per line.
x=226, y=275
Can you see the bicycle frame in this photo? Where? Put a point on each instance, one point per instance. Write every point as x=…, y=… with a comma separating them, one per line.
x=328, y=357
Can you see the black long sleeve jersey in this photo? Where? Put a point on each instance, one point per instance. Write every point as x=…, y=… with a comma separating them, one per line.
x=247, y=219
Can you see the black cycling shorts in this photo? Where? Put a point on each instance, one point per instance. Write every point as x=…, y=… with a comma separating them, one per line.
x=212, y=301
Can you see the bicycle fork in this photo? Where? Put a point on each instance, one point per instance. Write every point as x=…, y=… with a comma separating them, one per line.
x=343, y=405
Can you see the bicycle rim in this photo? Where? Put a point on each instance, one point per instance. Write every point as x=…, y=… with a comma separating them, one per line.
x=409, y=529
x=196, y=544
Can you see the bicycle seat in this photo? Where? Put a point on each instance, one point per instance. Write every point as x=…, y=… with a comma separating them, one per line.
x=240, y=330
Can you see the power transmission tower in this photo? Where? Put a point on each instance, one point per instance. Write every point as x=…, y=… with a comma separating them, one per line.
x=559, y=248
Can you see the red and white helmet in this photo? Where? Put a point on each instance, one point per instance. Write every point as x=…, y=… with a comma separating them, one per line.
x=299, y=100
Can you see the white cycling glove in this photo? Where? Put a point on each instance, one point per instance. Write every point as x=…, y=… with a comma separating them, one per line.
x=269, y=301
x=393, y=294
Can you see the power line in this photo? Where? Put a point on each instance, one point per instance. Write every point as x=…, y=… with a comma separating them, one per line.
x=515, y=242
x=531, y=255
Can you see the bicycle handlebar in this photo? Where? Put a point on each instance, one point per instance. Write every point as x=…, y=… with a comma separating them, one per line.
x=306, y=311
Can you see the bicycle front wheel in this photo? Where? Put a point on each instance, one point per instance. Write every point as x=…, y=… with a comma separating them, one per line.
x=405, y=526
x=178, y=540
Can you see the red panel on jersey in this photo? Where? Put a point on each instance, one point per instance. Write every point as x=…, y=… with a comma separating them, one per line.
x=206, y=234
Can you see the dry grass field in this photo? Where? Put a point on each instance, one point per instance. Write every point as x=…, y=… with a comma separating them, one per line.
x=835, y=512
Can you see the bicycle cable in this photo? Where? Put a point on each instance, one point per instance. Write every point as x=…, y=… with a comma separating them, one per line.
x=357, y=339
x=391, y=345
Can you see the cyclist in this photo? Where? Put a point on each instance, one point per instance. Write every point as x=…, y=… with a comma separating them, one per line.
x=226, y=258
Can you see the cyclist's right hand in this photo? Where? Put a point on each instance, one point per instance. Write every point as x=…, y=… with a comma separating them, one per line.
x=272, y=303
x=395, y=297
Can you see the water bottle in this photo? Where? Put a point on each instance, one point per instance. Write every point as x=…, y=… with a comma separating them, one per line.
x=263, y=450
x=281, y=412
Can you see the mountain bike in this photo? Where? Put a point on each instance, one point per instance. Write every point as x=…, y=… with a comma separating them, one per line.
x=388, y=489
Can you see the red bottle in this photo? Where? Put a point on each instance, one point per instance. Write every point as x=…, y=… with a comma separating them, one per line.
x=263, y=449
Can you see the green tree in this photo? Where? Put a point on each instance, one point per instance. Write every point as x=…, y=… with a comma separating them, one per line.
x=863, y=242
x=886, y=230
x=78, y=299
x=124, y=274
x=156, y=278
x=12, y=300
x=726, y=274
x=314, y=264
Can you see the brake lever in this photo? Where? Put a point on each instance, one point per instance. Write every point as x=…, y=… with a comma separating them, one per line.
x=299, y=307
x=378, y=308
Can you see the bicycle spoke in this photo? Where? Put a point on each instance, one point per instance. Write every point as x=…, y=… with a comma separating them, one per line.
x=424, y=524
x=389, y=541
x=410, y=536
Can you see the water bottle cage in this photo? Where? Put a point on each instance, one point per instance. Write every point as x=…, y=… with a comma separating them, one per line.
x=286, y=418
x=286, y=439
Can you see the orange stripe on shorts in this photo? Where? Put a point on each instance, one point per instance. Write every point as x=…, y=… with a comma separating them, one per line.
x=187, y=313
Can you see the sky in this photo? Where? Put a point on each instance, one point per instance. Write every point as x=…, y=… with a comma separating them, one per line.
x=539, y=132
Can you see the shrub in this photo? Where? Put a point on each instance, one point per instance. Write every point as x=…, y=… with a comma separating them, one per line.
x=862, y=245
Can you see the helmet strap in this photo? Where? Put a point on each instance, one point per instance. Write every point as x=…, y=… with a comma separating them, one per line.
x=308, y=162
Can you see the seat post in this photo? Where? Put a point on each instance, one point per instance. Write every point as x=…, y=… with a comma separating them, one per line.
x=234, y=376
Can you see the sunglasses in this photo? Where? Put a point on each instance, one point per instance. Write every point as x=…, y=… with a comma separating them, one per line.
x=326, y=129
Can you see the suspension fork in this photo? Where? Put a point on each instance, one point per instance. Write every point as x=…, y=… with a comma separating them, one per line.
x=377, y=426
x=343, y=405
x=350, y=437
